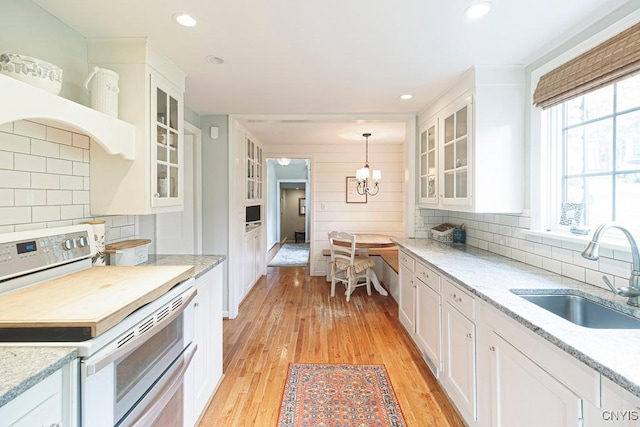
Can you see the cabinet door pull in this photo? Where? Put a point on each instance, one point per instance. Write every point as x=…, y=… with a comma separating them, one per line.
x=468, y=335
x=492, y=348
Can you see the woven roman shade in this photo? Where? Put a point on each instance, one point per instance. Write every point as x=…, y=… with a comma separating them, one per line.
x=606, y=63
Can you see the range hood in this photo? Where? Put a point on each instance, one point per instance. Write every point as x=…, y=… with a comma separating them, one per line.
x=25, y=102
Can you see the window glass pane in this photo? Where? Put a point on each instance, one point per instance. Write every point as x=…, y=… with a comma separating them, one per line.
x=423, y=142
x=432, y=138
x=161, y=153
x=423, y=187
x=590, y=106
x=173, y=116
x=628, y=94
x=628, y=141
x=423, y=164
x=461, y=122
x=448, y=128
x=448, y=157
x=461, y=153
x=597, y=138
x=432, y=186
x=461, y=184
x=432, y=163
x=598, y=208
x=627, y=205
x=173, y=181
x=448, y=184
x=163, y=181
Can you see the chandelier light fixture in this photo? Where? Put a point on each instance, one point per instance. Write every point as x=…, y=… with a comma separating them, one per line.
x=364, y=176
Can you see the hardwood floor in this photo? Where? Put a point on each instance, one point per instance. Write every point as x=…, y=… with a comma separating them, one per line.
x=289, y=317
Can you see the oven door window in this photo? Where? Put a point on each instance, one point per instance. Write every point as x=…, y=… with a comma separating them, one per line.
x=137, y=371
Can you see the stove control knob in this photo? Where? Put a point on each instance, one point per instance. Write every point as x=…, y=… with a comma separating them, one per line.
x=82, y=242
x=68, y=244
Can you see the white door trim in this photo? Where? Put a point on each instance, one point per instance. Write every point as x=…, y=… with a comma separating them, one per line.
x=190, y=129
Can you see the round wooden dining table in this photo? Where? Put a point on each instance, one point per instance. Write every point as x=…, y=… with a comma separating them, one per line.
x=366, y=241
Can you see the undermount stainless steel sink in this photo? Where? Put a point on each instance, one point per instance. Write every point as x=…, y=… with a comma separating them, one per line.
x=583, y=311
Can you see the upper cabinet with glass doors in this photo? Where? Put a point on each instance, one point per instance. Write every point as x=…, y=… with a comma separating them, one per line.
x=428, y=158
x=151, y=92
x=166, y=142
x=480, y=144
x=254, y=177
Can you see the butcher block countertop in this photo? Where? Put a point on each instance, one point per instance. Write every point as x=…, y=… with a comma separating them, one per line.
x=95, y=298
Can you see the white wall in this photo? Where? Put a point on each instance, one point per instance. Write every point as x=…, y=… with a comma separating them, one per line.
x=29, y=30
x=44, y=181
x=331, y=163
x=291, y=220
x=271, y=213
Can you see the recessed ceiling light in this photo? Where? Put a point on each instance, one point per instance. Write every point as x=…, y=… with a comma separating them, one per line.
x=406, y=96
x=478, y=10
x=215, y=60
x=185, y=19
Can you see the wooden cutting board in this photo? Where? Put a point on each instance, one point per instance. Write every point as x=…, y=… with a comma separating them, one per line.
x=97, y=298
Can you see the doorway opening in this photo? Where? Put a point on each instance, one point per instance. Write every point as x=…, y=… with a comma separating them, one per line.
x=288, y=199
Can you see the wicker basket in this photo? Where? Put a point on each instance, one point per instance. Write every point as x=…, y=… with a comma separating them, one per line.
x=443, y=233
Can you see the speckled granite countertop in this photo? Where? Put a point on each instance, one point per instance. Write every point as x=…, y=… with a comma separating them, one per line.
x=203, y=263
x=612, y=352
x=24, y=367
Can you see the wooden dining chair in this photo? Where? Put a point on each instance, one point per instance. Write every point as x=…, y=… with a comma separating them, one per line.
x=345, y=266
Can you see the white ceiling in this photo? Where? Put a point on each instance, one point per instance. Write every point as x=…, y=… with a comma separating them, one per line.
x=330, y=56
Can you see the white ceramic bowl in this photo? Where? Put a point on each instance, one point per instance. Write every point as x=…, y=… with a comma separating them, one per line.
x=30, y=70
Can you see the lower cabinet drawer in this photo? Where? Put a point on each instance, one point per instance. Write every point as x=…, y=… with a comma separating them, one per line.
x=460, y=299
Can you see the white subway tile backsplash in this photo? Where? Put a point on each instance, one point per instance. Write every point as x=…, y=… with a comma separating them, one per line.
x=59, y=197
x=6, y=197
x=119, y=221
x=6, y=160
x=71, y=153
x=30, y=129
x=45, y=148
x=60, y=136
x=27, y=162
x=80, y=197
x=574, y=246
x=563, y=255
x=45, y=213
x=15, y=215
x=30, y=197
x=80, y=169
x=53, y=190
x=519, y=255
x=60, y=167
x=534, y=260
x=573, y=271
x=30, y=226
x=69, y=182
x=15, y=143
x=594, y=277
x=623, y=255
x=45, y=181
x=14, y=179
x=542, y=250
x=483, y=244
x=614, y=267
x=552, y=265
x=71, y=212
x=80, y=141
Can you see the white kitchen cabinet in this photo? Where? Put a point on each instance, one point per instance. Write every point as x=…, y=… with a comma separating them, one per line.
x=459, y=333
x=151, y=98
x=253, y=259
x=618, y=408
x=480, y=149
x=255, y=168
x=519, y=369
x=427, y=164
x=407, y=303
x=523, y=394
x=49, y=403
x=208, y=333
x=428, y=319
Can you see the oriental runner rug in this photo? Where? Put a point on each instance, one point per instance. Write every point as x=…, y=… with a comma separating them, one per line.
x=339, y=396
x=291, y=255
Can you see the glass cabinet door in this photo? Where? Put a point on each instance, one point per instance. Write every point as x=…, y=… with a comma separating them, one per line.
x=254, y=171
x=428, y=185
x=456, y=139
x=166, y=145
